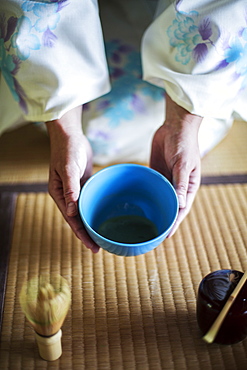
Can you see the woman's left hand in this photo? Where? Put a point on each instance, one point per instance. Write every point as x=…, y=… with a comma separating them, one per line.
x=175, y=154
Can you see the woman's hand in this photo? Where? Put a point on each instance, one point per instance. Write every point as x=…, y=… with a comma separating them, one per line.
x=175, y=154
x=70, y=167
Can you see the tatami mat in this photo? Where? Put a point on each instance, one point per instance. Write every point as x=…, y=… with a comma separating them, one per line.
x=127, y=313
x=230, y=155
x=24, y=155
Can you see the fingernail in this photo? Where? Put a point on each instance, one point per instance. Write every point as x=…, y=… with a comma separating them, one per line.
x=71, y=208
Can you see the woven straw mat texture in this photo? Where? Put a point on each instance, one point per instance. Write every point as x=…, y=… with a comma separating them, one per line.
x=127, y=312
x=24, y=155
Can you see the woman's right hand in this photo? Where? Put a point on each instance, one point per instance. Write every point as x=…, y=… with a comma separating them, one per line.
x=70, y=167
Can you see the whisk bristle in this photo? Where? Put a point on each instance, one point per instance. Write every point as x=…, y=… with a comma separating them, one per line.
x=45, y=302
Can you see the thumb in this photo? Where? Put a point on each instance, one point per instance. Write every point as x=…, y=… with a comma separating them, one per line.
x=181, y=182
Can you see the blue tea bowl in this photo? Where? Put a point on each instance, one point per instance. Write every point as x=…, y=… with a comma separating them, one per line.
x=128, y=190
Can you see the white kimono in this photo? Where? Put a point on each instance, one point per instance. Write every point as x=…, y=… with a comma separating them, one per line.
x=54, y=57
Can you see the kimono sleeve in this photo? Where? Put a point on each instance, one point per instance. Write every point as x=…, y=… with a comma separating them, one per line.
x=197, y=50
x=52, y=55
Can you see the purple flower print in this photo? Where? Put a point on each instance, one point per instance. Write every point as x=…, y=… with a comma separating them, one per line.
x=19, y=37
x=199, y=53
x=61, y=4
x=205, y=29
x=178, y=3
x=7, y=28
x=116, y=58
x=117, y=72
x=190, y=39
x=49, y=38
x=116, y=51
x=47, y=18
x=9, y=66
x=234, y=48
x=125, y=49
x=137, y=104
x=128, y=95
x=103, y=104
x=10, y=63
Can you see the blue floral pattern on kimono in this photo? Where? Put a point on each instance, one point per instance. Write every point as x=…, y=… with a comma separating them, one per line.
x=192, y=37
x=126, y=102
x=19, y=37
x=124, y=99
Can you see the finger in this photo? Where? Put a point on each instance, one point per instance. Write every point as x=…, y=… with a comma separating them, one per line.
x=55, y=188
x=56, y=192
x=180, y=179
x=89, y=163
x=76, y=225
x=71, y=186
x=183, y=212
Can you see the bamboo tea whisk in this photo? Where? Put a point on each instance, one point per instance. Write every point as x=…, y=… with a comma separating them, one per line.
x=45, y=301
